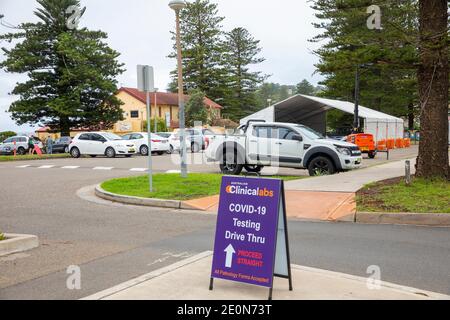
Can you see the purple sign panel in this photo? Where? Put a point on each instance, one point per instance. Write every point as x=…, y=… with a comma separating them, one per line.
x=246, y=232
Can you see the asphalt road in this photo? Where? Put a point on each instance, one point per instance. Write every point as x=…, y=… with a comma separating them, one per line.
x=113, y=243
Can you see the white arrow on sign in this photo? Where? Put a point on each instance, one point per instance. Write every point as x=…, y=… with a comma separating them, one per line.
x=229, y=259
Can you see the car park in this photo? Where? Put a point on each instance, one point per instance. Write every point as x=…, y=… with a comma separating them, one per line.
x=101, y=143
x=18, y=143
x=261, y=143
x=61, y=145
x=160, y=145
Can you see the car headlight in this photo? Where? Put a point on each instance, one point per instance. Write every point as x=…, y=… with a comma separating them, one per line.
x=344, y=151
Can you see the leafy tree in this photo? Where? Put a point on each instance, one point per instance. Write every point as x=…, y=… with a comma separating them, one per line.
x=6, y=134
x=196, y=109
x=270, y=93
x=242, y=51
x=202, y=47
x=306, y=88
x=433, y=77
x=71, y=73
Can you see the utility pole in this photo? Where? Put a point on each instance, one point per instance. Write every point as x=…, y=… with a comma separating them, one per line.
x=177, y=6
x=356, y=111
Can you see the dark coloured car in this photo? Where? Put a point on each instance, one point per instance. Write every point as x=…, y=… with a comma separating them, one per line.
x=61, y=145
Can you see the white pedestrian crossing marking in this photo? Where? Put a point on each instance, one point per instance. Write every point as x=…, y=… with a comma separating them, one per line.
x=70, y=167
x=103, y=168
x=46, y=167
x=138, y=169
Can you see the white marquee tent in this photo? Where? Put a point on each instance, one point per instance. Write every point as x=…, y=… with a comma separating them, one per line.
x=311, y=111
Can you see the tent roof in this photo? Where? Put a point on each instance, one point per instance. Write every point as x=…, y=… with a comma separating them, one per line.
x=300, y=107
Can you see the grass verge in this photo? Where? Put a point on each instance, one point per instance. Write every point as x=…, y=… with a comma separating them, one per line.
x=171, y=186
x=393, y=195
x=34, y=157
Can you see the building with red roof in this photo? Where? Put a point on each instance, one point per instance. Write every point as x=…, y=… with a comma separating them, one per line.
x=135, y=109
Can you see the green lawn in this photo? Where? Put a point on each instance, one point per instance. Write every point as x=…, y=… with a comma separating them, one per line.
x=422, y=196
x=33, y=157
x=171, y=186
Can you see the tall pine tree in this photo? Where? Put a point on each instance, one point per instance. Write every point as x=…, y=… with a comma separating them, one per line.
x=387, y=58
x=71, y=73
x=202, y=47
x=242, y=52
x=433, y=74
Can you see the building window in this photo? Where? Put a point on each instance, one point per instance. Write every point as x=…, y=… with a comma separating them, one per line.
x=134, y=114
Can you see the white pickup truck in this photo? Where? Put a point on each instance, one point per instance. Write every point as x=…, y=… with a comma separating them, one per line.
x=259, y=143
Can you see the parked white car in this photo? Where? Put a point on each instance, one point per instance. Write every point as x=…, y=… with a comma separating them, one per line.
x=160, y=145
x=20, y=143
x=174, y=140
x=101, y=143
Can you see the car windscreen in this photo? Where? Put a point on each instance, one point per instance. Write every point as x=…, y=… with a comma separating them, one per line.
x=112, y=136
x=310, y=133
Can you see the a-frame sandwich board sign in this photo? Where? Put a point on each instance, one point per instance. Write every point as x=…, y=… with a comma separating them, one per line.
x=251, y=242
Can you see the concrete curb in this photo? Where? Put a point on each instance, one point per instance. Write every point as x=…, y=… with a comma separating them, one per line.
x=160, y=203
x=418, y=219
x=15, y=243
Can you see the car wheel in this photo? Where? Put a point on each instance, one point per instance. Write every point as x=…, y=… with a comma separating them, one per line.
x=230, y=165
x=171, y=150
x=195, y=148
x=66, y=150
x=75, y=153
x=253, y=168
x=321, y=166
x=110, y=153
x=21, y=151
x=372, y=154
x=144, y=150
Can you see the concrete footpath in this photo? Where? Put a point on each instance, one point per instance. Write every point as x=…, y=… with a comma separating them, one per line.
x=189, y=280
x=354, y=180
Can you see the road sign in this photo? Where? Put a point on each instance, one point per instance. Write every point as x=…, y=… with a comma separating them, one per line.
x=146, y=83
x=146, y=80
x=251, y=244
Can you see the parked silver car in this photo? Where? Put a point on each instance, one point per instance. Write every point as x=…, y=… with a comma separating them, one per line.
x=19, y=143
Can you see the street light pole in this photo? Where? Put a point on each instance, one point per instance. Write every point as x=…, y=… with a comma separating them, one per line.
x=356, y=111
x=177, y=5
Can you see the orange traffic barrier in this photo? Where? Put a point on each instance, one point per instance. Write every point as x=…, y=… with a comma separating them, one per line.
x=390, y=144
x=400, y=143
x=381, y=146
x=407, y=142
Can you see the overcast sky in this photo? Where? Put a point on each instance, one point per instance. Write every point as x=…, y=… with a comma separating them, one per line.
x=139, y=30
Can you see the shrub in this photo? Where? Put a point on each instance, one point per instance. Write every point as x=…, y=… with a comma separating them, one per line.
x=2, y=236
